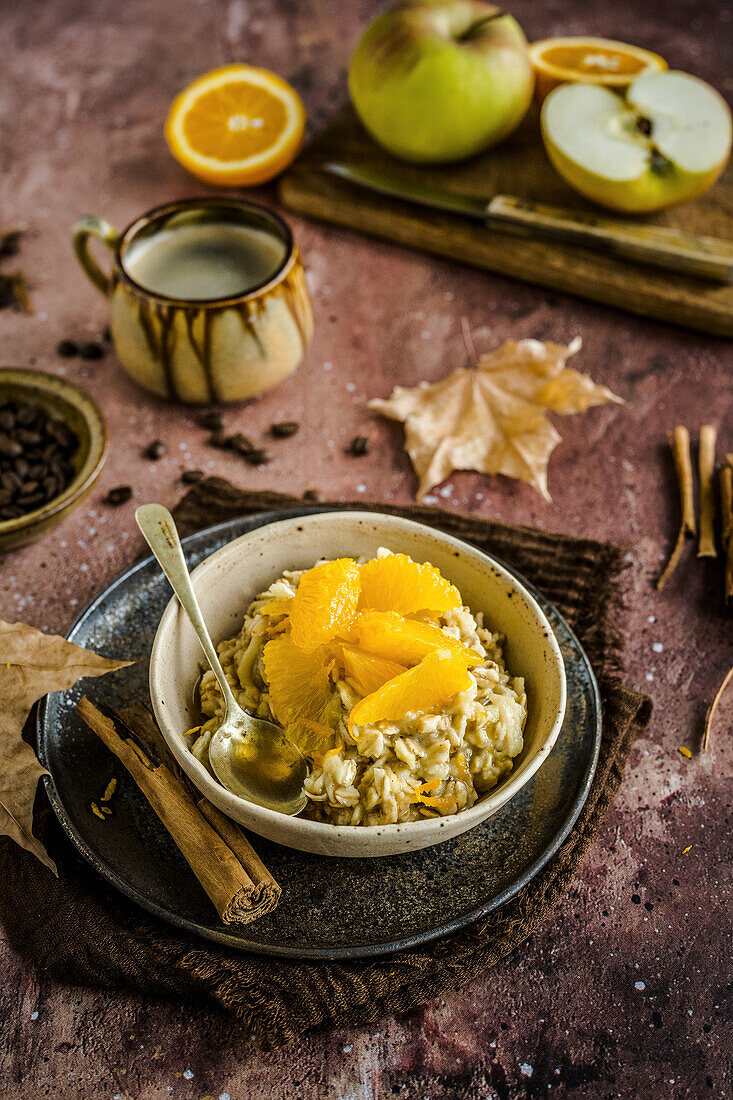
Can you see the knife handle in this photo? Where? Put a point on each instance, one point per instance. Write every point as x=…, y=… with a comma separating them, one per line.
x=684, y=253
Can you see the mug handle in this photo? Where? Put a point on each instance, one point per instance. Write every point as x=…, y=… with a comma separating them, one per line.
x=83, y=229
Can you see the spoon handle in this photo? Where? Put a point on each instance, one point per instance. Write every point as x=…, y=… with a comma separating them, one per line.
x=161, y=535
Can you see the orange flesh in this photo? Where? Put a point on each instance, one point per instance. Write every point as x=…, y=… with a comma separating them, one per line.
x=593, y=60
x=234, y=121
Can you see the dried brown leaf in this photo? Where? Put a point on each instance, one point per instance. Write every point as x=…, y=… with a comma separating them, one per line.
x=493, y=418
x=31, y=665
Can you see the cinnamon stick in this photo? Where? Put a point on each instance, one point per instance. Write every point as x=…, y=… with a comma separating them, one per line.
x=141, y=721
x=679, y=441
x=236, y=895
x=706, y=472
x=726, y=522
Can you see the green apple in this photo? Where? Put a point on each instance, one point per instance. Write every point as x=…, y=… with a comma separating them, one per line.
x=440, y=80
x=664, y=142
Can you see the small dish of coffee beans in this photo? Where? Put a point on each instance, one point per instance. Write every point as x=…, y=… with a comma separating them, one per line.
x=36, y=457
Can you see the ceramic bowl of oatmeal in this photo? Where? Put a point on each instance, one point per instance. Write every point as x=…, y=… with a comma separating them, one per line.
x=418, y=675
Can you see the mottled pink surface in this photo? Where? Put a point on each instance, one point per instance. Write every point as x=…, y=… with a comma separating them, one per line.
x=625, y=991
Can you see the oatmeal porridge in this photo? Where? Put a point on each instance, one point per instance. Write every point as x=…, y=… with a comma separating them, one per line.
x=395, y=690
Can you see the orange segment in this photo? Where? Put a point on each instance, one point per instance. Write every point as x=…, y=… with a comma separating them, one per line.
x=407, y=640
x=588, y=60
x=236, y=126
x=367, y=671
x=430, y=684
x=325, y=603
x=397, y=583
x=301, y=695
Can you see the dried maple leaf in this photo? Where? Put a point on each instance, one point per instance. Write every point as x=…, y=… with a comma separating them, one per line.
x=31, y=665
x=491, y=417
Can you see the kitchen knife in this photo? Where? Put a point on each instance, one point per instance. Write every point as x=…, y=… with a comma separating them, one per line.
x=684, y=253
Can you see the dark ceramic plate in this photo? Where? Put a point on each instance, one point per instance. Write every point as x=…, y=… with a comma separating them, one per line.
x=331, y=908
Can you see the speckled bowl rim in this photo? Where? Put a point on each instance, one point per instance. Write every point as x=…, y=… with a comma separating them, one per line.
x=36, y=381
x=259, y=816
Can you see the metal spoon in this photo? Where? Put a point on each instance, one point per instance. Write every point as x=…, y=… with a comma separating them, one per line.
x=252, y=758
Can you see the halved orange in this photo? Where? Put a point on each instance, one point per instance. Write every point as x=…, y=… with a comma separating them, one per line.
x=587, y=60
x=236, y=126
x=407, y=641
x=433, y=682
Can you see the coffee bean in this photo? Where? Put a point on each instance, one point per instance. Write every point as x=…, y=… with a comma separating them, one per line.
x=211, y=420
x=92, y=350
x=257, y=457
x=10, y=448
x=155, y=450
x=359, y=446
x=11, y=481
x=190, y=477
x=285, y=429
x=313, y=494
x=218, y=438
x=59, y=431
x=120, y=495
x=26, y=414
x=28, y=437
x=34, y=452
x=67, y=349
x=241, y=444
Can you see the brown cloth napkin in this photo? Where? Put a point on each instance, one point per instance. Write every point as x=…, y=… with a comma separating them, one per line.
x=78, y=929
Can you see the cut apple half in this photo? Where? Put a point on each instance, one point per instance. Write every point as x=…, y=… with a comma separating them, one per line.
x=662, y=144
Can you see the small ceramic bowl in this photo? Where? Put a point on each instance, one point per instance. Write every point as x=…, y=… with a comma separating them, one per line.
x=228, y=580
x=85, y=419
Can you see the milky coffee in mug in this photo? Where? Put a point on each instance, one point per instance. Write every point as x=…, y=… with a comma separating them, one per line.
x=208, y=298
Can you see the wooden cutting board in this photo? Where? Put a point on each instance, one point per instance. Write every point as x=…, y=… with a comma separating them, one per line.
x=517, y=167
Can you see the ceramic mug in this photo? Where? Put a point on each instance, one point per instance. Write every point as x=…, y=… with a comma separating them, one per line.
x=202, y=350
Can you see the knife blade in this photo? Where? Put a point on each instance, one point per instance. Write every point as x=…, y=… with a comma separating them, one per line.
x=685, y=253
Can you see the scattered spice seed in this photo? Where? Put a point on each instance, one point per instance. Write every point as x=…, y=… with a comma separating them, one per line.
x=257, y=457
x=706, y=472
x=687, y=849
x=359, y=446
x=212, y=420
x=107, y=334
x=313, y=494
x=92, y=350
x=96, y=810
x=685, y=752
x=67, y=349
x=117, y=496
x=155, y=450
x=285, y=429
x=190, y=477
x=679, y=441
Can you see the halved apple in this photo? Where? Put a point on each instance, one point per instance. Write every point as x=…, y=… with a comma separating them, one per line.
x=665, y=142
